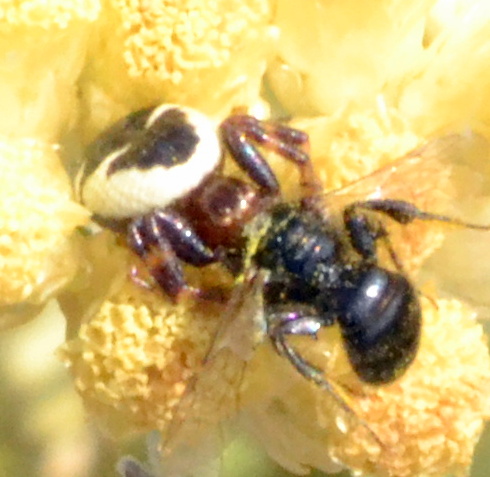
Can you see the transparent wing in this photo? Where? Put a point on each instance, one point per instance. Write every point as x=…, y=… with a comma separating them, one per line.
x=202, y=423
x=426, y=176
x=243, y=325
x=442, y=176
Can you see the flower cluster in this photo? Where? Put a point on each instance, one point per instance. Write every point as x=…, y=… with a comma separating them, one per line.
x=369, y=82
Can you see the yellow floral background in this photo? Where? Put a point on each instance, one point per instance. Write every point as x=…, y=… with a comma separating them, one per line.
x=90, y=363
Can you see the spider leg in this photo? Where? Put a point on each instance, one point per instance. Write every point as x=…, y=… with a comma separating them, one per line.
x=187, y=245
x=162, y=239
x=242, y=133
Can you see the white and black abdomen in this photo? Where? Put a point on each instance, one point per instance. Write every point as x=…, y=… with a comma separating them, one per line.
x=147, y=160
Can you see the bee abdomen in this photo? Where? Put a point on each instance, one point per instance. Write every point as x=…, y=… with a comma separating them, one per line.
x=380, y=321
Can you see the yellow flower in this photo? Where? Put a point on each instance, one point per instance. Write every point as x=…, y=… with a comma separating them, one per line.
x=43, y=47
x=135, y=356
x=38, y=217
x=210, y=55
x=425, y=423
x=42, y=52
x=374, y=80
x=134, y=359
x=427, y=58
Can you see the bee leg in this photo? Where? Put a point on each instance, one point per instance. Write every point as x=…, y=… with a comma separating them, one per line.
x=241, y=132
x=284, y=324
x=365, y=231
x=405, y=212
x=291, y=323
x=162, y=239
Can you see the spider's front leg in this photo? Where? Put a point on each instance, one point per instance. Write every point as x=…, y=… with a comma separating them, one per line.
x=162, y=239
x=242, y=133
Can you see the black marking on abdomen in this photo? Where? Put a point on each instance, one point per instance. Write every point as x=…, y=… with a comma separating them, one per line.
x=168, y=142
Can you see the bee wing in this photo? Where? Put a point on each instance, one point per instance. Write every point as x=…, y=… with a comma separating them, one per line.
x=243, y=325
x=424, y=176
x=199, y=430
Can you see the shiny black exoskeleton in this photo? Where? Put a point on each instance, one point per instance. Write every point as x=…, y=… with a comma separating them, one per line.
x=319, y=276
x=324, y=270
